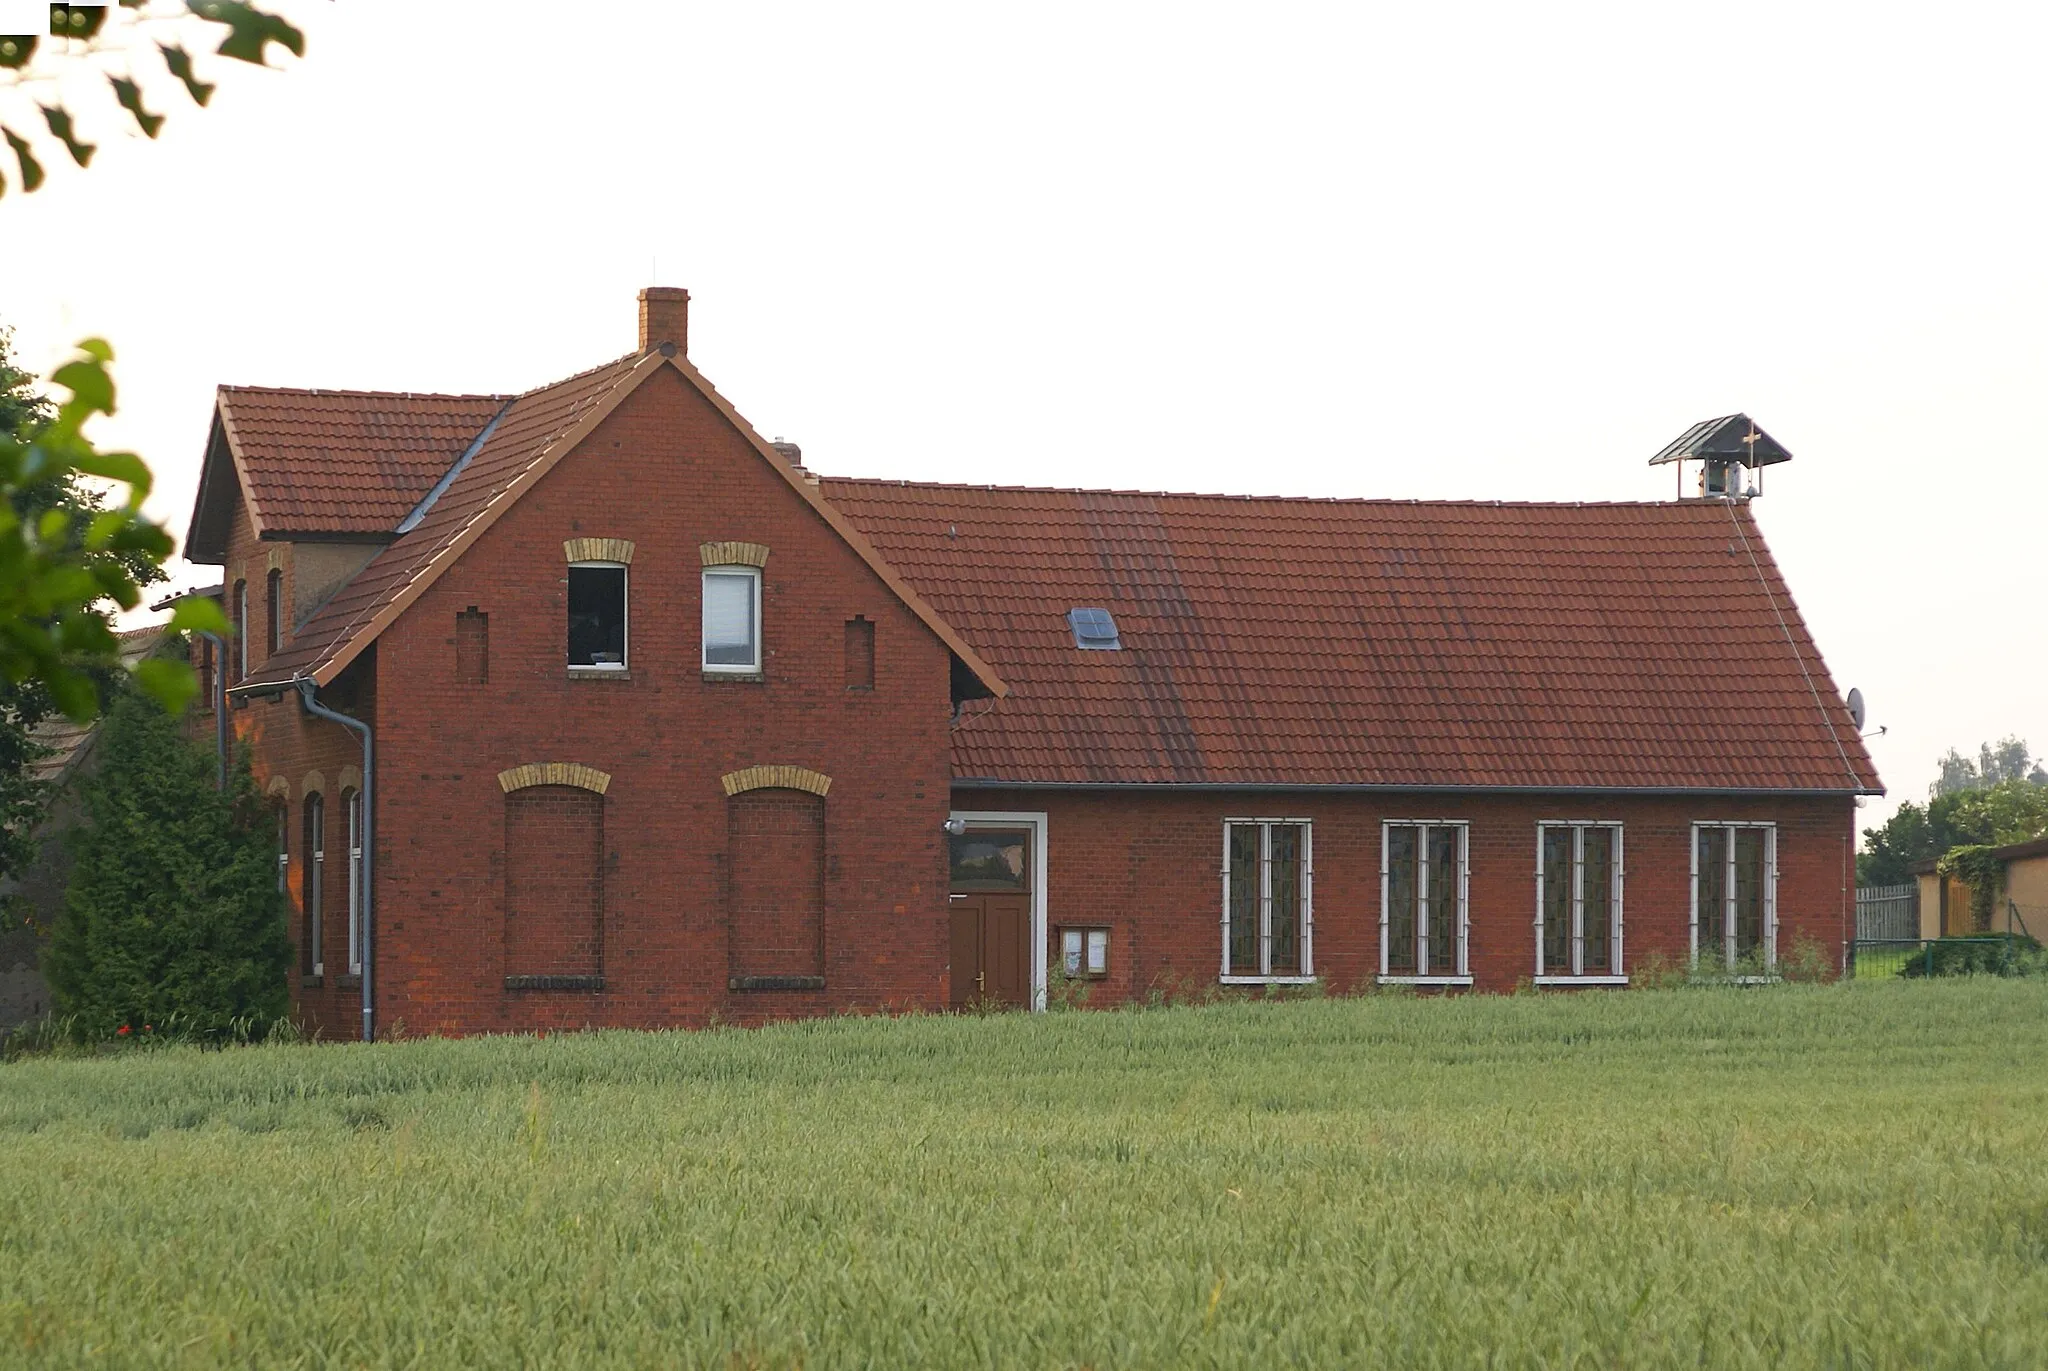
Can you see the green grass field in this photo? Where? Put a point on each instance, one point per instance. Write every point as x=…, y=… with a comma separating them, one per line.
x=1800, y=1176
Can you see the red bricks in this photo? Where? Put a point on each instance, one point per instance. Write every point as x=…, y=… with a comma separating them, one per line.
x=1148, y=866
x=558, y=849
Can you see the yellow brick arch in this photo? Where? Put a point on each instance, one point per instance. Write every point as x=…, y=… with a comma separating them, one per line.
x=554, y=773
x=776, y=778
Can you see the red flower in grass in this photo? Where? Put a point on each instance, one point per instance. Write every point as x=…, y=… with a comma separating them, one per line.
x=122, y=1031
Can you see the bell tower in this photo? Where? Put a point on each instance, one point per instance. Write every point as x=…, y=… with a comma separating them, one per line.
x=1729, y=450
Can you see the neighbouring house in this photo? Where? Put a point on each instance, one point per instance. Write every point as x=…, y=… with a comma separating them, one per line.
x=1948, y=907
x=33, y=901
x=662, y=727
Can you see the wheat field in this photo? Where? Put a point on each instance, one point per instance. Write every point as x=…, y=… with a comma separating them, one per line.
x=1795, y=1176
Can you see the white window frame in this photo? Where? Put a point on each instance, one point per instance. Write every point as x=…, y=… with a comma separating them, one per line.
x=1307, y=912
x=1770, y=934
x=284, y=849
x=1575, y=974
x=1463, y=975
x=625, y=621
x=1035, y=821
x=753, y=668
x=353, y=805
x=241, y=630
x=315, y=809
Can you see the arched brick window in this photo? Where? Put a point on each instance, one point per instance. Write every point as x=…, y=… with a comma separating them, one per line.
x=274, y=600
x=554, y=887
x=775, y=840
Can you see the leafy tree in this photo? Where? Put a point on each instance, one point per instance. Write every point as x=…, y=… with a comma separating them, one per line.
x=2007, y=760
x=2009, y=812
x=66, y=555
x=47, y=530
x=118, y=37
x=173, y=918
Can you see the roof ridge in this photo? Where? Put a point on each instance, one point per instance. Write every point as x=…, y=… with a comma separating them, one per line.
x=579, y=375
x=225, y=388
x=1275, y=499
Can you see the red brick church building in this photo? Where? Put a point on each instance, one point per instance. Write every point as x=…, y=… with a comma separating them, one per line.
x=588, y=706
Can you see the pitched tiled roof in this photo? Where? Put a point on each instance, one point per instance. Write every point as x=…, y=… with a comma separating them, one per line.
x=344, y=461
x=1372, y=643
x=516, y=447
x=527, y=430
x=68, y=743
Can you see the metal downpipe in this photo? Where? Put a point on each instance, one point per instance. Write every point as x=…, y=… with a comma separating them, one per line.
x=313, y=706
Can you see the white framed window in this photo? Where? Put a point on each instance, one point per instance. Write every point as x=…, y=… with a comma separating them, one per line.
x=1735, y=895
x=354, y=806
x=597, y=616
x=284, y=846
x=1425, y=935
x=732, y=619
x=1268, y=902
x=1578, y=902
x=314, y=873
x=242, y=632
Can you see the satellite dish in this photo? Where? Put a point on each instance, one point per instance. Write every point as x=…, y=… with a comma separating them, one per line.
x=1856, y=707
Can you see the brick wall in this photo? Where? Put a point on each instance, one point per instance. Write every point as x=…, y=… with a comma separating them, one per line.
x=667, y=473
x=1147, y=866
x=292, y=755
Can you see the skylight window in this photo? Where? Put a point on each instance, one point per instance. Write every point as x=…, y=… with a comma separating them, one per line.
x=1094, y=630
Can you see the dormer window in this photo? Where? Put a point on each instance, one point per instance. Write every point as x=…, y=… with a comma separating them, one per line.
x=597, y=616
x=1094, y=630
x=732, y=619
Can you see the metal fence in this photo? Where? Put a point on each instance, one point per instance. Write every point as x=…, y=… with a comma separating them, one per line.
x=2011, y=951
x=1888, y=913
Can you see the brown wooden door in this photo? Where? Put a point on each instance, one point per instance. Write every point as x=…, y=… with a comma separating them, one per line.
x=991, y=942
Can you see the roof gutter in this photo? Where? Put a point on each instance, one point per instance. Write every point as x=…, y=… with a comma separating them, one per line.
x=309, y=702
x=1345, y=788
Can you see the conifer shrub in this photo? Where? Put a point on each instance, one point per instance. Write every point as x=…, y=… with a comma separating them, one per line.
x=173, y=916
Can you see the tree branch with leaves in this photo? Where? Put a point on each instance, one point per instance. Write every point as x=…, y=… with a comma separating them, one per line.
x=124, y=46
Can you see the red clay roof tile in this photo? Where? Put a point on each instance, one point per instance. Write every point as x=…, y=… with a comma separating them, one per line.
x=345, y=461
x=1349, y=642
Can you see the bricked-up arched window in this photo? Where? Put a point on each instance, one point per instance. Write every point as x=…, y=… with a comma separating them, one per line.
x=775, y=844
x=554, y=885
x=312, y=897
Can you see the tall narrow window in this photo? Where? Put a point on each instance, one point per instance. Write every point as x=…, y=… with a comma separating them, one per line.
x=1268, y=918
x=284, y=846
x=597, y=616
x=1735, y=895
x=274, y=607
x=353, y=804
x=860, y=653
x=206, y=669
x=313, y=875
x=1424, y=931
x=241, y=630
x=473, y=647
x=1578, y=900
x=732, y=619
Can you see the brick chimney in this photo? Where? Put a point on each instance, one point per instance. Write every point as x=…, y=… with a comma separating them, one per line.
x=665, y=318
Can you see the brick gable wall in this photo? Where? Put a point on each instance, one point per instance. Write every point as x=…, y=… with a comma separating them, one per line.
x=668, y=474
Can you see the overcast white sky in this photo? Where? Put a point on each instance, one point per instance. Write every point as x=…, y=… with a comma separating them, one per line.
x=1445, y=250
